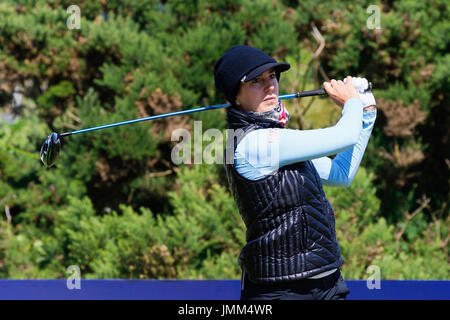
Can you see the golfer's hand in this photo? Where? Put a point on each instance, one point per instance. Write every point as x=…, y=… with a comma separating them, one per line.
x=340, y=92
x=366, y=96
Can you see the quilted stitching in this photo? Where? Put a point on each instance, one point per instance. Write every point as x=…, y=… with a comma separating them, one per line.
x=289, y=221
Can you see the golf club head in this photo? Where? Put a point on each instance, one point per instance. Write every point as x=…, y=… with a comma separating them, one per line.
x=50, y=149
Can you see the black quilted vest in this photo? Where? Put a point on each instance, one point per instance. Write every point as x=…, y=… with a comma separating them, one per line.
x=290, y=223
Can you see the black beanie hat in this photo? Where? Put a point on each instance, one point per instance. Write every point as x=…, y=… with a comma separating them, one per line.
x=242, y=64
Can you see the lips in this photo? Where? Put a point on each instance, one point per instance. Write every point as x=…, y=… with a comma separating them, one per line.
x=270, y=98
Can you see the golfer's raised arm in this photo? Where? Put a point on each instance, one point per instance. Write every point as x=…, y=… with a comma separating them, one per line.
x=341, y=170
x=259, y=149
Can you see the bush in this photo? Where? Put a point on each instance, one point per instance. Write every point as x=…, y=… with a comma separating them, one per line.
x=366, y=239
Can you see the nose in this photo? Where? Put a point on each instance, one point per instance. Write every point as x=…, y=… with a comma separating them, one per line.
x=269, y=85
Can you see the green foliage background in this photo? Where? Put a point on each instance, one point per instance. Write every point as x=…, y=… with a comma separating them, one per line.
x=115, y=204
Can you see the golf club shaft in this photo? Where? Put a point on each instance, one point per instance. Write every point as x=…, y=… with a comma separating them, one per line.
x=318, y=92
x=218, y=106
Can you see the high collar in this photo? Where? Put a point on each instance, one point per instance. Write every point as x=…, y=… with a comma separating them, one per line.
x=237, y=119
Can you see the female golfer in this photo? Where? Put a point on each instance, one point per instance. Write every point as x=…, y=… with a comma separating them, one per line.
x=276, y=177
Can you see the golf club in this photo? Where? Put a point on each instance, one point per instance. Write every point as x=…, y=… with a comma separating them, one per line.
x=52, y=145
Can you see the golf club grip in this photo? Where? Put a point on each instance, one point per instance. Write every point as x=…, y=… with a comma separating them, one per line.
x=319, y=92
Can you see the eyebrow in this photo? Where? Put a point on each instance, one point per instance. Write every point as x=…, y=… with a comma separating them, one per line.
x=270, y=73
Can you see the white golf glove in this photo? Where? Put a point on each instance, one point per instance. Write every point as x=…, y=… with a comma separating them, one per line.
x=362, y=85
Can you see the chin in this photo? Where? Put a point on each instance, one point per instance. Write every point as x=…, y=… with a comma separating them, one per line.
x=270, y=103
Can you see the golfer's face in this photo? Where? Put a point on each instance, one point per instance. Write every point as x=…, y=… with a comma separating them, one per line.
x=259, y=94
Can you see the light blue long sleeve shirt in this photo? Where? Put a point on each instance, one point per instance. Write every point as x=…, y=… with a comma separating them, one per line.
x=261, y=152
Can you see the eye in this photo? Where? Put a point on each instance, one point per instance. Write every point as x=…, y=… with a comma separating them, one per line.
x=255, y=80
x=273, y=75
